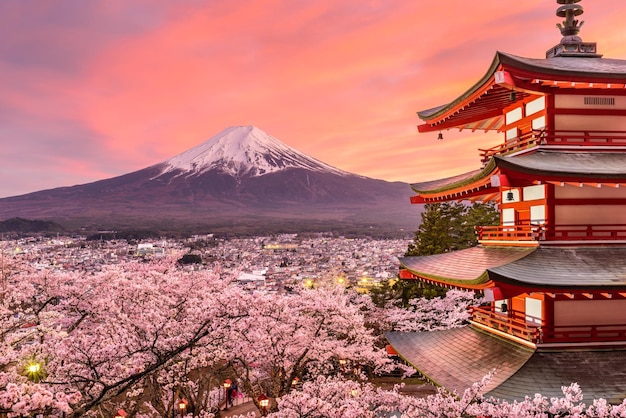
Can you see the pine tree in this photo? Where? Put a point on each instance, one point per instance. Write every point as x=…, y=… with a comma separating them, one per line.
x=449, y=227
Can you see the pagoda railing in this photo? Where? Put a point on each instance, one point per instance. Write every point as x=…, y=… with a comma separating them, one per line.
x=515, y=324
x=511, y=325
x=584, y=333
x=551, y=137
x=509, y=233
x=524, y=141
x=608, y=232
x=583, y=232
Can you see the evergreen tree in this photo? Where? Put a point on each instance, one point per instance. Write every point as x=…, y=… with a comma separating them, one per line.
x=449, y=227
x=445, y=227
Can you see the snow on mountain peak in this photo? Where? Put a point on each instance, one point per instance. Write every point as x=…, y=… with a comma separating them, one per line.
x=244, y=150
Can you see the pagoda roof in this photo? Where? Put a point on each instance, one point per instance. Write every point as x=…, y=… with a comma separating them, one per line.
x=457, y=358
x=575, y=268
x=466, y=268
x=563, y=164
x=445, y=183
x=543, y=164
x=480, y=107
x=537, y=267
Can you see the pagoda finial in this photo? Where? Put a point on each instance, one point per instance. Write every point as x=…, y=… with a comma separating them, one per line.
x=570, y=26
x=571, y=45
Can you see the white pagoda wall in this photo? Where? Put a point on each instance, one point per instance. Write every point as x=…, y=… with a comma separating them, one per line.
x=582, y=122
x=593, y=213
x=589, y=312
x=600, y=123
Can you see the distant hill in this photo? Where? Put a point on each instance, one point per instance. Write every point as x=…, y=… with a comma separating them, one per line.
x=21, y=226
x=241, y=179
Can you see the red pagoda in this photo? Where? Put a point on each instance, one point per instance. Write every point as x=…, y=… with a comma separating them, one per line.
x=555, y=267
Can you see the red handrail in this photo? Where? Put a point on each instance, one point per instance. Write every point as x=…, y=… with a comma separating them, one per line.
x=504, y=323
x=609, y=232
x=559, y=138
x=507, y=233
x=586, y=333
x=584, y=232
x=514, y=323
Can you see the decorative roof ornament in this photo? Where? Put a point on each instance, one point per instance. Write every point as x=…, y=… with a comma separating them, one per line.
x=571, y=45
x=570, y=27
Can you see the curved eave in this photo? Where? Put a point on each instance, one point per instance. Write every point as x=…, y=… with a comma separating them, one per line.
x=457, y=358
x=566, y=165
x=476, y=90
x=465, y=268
x=575, y=69
x=566, y=268
x=480, y=107
x=467, y=185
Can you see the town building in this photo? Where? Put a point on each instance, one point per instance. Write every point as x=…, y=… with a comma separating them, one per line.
x=554, y=270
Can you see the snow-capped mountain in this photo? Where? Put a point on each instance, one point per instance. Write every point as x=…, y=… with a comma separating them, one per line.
x=242, y=176
x=244, y=151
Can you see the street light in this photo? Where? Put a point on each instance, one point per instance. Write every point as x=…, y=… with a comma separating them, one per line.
x=343, y=362
x=182, y=406
x=34, y=371
x=227, y=384
x=264, y=402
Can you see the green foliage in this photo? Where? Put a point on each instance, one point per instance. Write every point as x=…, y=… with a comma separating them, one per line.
x=400, y=292
x=449, y=227
x=190, y=258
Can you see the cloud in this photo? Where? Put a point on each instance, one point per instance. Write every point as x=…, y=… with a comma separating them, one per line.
x=101, y=88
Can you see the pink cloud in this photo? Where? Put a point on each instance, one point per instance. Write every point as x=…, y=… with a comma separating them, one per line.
x=341, y=81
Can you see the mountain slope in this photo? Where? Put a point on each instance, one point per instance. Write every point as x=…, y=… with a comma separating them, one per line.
x=241, y=176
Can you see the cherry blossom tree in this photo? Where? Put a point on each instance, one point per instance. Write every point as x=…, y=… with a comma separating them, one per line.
x=143, y=335
x=335, y=397
x=306, y=334
x=97, y=335
x=449, y=311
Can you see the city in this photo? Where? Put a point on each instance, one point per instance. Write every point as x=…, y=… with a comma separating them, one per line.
x=267, y=263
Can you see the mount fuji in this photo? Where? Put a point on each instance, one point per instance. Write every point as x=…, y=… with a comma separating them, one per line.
x=242, y=179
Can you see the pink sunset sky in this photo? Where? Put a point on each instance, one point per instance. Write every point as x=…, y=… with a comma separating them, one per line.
x=99, y=88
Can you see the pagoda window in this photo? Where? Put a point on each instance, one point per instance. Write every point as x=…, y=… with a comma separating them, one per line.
x=535, y=192
x=501, y=306
x=508, y=217
x=534, y=309
x=513, y=115
x=535, y=106
x=538, y=215
x=512, y=133
x=539, y=123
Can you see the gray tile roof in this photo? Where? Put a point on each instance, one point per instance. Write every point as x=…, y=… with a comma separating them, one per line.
x=570, y=267
x=465, y=265
x=601, y=165
x=600, y=374
x=457, y=358
x=568, y=66
x=441, y=183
